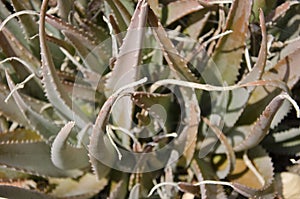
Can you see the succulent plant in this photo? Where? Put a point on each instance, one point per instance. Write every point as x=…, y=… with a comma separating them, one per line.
x=158, y=99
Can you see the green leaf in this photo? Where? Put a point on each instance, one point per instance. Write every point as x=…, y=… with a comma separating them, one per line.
x=13, y=25
x=55, y=93
x=118, y=190
x=126, y=66
x=121, y=13
x=29, y=25
x=19, y=135
x=12, y=48
x=25, y=156
x=10, y=108
x=266, y=6
x=37, y=122
x=175, y=61
x=94, y=55
x=64, y=8
x=14, y=192
x=100, y=145
x=65, y=156
x=7, y=174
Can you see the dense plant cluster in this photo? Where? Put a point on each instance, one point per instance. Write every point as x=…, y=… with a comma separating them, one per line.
x=149, y=99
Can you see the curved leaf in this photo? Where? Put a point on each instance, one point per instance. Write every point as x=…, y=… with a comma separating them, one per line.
x=29, y=25
x=13, y=25
x=121, y=13
x=286, y=70
x=125, y=69
x=230, y=48
x=45, y=128
x=178, y=9
x=10, y=108
x=254, y=174
x=199, y=176
x=135, y=192
x=261, y=127
x=175, y=61
x=99, y=145
x=240, y=97
x=188, y=135
x=230, y=155
x=55, y=93
x=259, y=67
x=65, y=156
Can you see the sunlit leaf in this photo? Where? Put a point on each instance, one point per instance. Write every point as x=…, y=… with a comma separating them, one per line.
x=261, y=127
x=87, y=186
x=178, y=9
x=230, y=48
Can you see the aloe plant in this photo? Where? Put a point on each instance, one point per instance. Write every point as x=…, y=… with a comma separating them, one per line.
x=158, y=99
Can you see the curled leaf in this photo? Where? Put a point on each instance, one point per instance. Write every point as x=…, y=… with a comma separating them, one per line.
x=261, y=127
x=230, y=48
x=230, y=155
x=65, y=156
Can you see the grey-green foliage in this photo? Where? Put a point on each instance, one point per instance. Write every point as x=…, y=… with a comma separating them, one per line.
x=73, y=91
